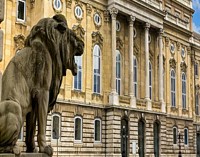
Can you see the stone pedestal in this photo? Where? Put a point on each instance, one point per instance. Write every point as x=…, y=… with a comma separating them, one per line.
x=25, y=155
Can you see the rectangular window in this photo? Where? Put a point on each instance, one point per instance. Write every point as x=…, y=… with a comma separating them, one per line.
x=78, y=129
x=78, y=77
x=21, y=10
x=55, y=134
x=135, y=76
x=186, y=136
x=197, y=104
x=175, y=135
x=196, y=69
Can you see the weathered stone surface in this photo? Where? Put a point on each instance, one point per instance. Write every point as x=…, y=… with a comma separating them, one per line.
x=25, y=155
x=32, y=80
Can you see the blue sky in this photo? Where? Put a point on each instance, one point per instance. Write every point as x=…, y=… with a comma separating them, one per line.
x=196, y=16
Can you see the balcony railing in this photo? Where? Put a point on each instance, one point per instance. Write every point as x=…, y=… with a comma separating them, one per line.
x=177, y=21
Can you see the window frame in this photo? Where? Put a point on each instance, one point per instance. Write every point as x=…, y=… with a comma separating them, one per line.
x=175, y=140
x=77, y=76
x=173, y=92
x=55, y=7
x=81, y=12
x=186, y=142
x=98, y=75
x=100, y=131
x=196, y=69
x=184, y=91
x=18, y=19
x=135, y=79
x=22, y=134
x=81, y=131
x=118, y=79
x=59, y=116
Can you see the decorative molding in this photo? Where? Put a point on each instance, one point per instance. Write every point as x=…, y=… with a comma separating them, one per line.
x=69, y=4
x=178, y=45
x=78, y=94
x=99, y=13
x=136, y=49
x=167, y=41
x=19, y=41
x=97, y=38
x=113, y=12
x=147, y=26
x=119, y=43
x=183, y=67
x=32, y=3
x=89, y=9
x=172, y=63
x=79, y=31
x=151, y=56
x=106, y=16
x=79, y=19
x=78, y=2
x=97, y=97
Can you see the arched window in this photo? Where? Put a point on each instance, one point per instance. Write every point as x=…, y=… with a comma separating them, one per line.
x=97, y=130
x=55, y=131
x=186, y=136
x=175, y=134
x=150, y=80
x=173, y=88
x=141, y=137
x=78, y=129
x=183, y=90
x=118, y=71
x=135, y=75
x=96, y=69
x=78, y=77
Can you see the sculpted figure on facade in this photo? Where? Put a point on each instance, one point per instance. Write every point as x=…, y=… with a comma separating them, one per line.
x=32, y=80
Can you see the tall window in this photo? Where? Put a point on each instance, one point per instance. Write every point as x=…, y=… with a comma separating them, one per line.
x=78, y=129
x=55, y=132
x=96, y=68
x=97, y=130
x=186, y=136
x=150, y=80
x=118, y=71
x=78, y=77
x=183, y=91
x=197, y=104
x=175, y=134
x=20, y=137
x=196, y=69
x=21, y=10
x=135, y=75
x=173, y=88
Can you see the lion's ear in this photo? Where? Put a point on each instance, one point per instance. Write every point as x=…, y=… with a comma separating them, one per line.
x=61, y=27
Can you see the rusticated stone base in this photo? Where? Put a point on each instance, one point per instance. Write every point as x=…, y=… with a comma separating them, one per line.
x=25, y=155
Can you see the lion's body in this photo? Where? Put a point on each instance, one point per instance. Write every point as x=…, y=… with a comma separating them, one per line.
x=31, y=83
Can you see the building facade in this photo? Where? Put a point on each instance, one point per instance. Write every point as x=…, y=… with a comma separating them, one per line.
x=137, y=89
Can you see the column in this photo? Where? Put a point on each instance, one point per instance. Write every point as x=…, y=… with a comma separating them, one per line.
x=147, y=26
x=161, y=71
x=113, y=97
x=131, y=70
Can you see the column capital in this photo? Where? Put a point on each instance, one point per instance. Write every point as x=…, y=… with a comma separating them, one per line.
x=113, y=12
x=161, y=32
x=147, y=25
x=131, y=19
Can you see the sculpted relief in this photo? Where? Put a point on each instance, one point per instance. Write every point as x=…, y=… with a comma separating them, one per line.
x=32, y=80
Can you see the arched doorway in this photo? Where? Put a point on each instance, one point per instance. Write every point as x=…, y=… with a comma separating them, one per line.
x=141, y=137
x=156, y=132
x=124, y=137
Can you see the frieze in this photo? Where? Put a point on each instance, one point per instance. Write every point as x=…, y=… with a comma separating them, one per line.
x=69, y=4
x=79, y=31
x=106, y=16
x=183, y=67
x=97, y=38
x=19, y=41
x=78, y=94
x=97, y=97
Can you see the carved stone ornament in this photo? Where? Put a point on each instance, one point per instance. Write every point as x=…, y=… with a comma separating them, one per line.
x=97, y=38
x=78, y=12
x=172, y=63
x=32, y=3
x=136, y=49
x=97, y=97
x=97, y=19
x=183, y=67
x=167, y=40
x=69, y=4
x=178, y=45
x=119, y=43
x=151, y=55
x=19, y=41
x=89, y=9
x=197, y=88
x=79, y=30
x=106, y=16
x=40, y=65
x=114, y=12
x=78, y=94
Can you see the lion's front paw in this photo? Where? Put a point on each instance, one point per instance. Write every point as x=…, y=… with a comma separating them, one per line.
x=16, y=150
x=48, y=150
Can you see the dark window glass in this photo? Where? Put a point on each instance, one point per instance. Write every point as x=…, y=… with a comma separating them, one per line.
x=56, y=127
x=174, y=135
x=21, y=10
x=78, y=129
x=97, y=130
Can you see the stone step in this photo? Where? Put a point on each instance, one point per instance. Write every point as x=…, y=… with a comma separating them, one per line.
x=25, y=155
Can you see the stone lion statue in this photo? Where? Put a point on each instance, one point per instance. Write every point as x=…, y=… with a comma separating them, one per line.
x=32, y=80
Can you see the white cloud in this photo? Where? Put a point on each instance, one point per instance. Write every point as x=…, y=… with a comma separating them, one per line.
x=196, y=4
x=196, y=28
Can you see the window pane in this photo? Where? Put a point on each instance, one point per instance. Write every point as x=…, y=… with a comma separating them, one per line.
x=97, y=130
x=174, y=136
x=185, y=136
x=56, y=127
x=78, y=129
x=21, y=10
